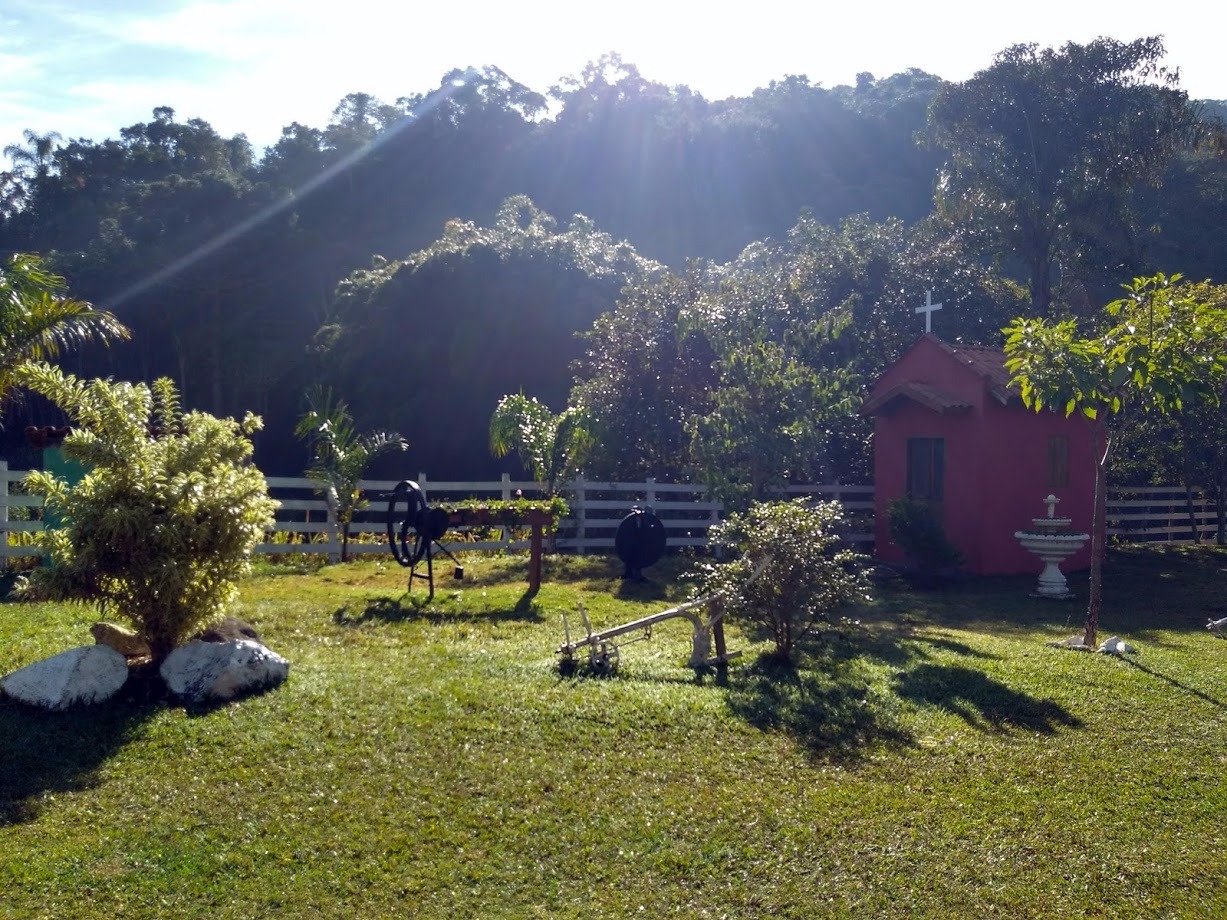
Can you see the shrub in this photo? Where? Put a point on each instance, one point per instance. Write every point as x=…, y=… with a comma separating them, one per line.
x=917, y=528
x=162, y=526
x=808, y=575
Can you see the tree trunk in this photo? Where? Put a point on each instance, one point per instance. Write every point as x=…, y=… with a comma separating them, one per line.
x=1099, y=534
x=1188, y=502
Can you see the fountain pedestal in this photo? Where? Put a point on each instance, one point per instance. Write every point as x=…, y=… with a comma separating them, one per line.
x=1054, y=542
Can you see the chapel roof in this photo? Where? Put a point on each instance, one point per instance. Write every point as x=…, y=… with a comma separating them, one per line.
x=922, y=393
x=988, y=363
x=985, y=361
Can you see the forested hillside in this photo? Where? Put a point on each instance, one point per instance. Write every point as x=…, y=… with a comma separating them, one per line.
x=665, y=260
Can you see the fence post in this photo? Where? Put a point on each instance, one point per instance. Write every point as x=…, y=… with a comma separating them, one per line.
x=505, y=531
x=4, y=512
x=422, y=485
x=580, y=485
x=650, y=492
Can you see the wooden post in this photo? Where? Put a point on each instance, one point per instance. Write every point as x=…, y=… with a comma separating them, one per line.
x=422, y=485
x=534, y=558
x=505, y=531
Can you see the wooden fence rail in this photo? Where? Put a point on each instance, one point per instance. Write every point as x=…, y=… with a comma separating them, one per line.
x=303, y=523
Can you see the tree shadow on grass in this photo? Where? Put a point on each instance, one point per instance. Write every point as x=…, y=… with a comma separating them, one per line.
x=831, y=710
x=980, y=700
x=410, y=609
x=44, y=752
x=1192, y=691
x=838, y=704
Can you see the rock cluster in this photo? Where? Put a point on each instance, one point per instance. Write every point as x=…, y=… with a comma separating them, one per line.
x=223, y=662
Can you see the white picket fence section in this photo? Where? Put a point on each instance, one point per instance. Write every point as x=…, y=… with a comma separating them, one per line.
x=303, y=524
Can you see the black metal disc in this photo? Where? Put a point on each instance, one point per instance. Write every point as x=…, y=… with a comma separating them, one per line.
x=640, y=540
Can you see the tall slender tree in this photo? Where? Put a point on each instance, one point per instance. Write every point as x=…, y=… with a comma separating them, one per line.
x=1045, y=147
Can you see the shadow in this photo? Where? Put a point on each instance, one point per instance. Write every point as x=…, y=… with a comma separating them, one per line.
x=958, y=648
x=526, y=603
x=416, y=609
x=45, y=752
x=644, y=589
x=981, y=701
x=830, y=709
x=1193, y=691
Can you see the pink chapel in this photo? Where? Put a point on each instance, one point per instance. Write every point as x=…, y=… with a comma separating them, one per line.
x=949, y=429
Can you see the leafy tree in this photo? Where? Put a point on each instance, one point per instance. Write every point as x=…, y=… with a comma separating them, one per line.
x=644, y=375
x=549, y=446
x=38, y=320
x=766, y=422
x=1045, y=147
x=339, y=455
x=1161, y=348
x=516, y=293
x=162, y=528
x=792, y=569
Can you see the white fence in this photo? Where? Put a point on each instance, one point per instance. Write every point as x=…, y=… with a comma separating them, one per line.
x=303, y=523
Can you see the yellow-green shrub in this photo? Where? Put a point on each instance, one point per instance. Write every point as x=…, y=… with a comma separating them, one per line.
x=163, y=524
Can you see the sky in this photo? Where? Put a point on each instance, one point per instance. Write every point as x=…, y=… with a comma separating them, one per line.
x=86, y=68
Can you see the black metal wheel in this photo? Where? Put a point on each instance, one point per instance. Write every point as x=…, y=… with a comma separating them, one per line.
x=408, y=530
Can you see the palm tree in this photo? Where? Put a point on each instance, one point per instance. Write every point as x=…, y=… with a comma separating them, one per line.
x=548, y=445
x=340, y=455
x=38, y=320
x=35, y=158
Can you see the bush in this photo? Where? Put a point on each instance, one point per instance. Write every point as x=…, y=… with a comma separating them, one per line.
x=809, y=573
x=163, y=524
x=917, y=529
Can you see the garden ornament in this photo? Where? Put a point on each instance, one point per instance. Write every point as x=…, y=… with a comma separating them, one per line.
x=413, y=528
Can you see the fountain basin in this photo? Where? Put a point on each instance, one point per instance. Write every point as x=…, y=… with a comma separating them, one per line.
x=1052, y=549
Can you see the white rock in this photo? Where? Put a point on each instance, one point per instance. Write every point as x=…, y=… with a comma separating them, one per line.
x=79, y=676
x=1116, y=646
x=202, y=672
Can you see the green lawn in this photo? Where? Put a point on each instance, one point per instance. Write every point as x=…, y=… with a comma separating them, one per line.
x=929, y=758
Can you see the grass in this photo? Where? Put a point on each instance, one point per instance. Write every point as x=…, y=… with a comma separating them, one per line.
x=934, y=759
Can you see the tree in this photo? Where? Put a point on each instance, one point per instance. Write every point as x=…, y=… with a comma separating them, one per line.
x=766, y=423
x=1045, y=147
x=792, y=569
x=340, y=456
x=34, y=159
x=643, y=377
x=549, y=446
x=1162, y=348
x=163, y=526
x=38, y=320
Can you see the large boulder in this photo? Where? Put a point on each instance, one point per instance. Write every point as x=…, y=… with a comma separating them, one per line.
x=206, y=672
x=79, y=676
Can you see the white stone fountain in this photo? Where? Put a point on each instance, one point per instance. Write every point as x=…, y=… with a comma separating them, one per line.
x=1052, y=540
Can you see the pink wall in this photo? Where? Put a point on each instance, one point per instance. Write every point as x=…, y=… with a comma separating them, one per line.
x=996, y=464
